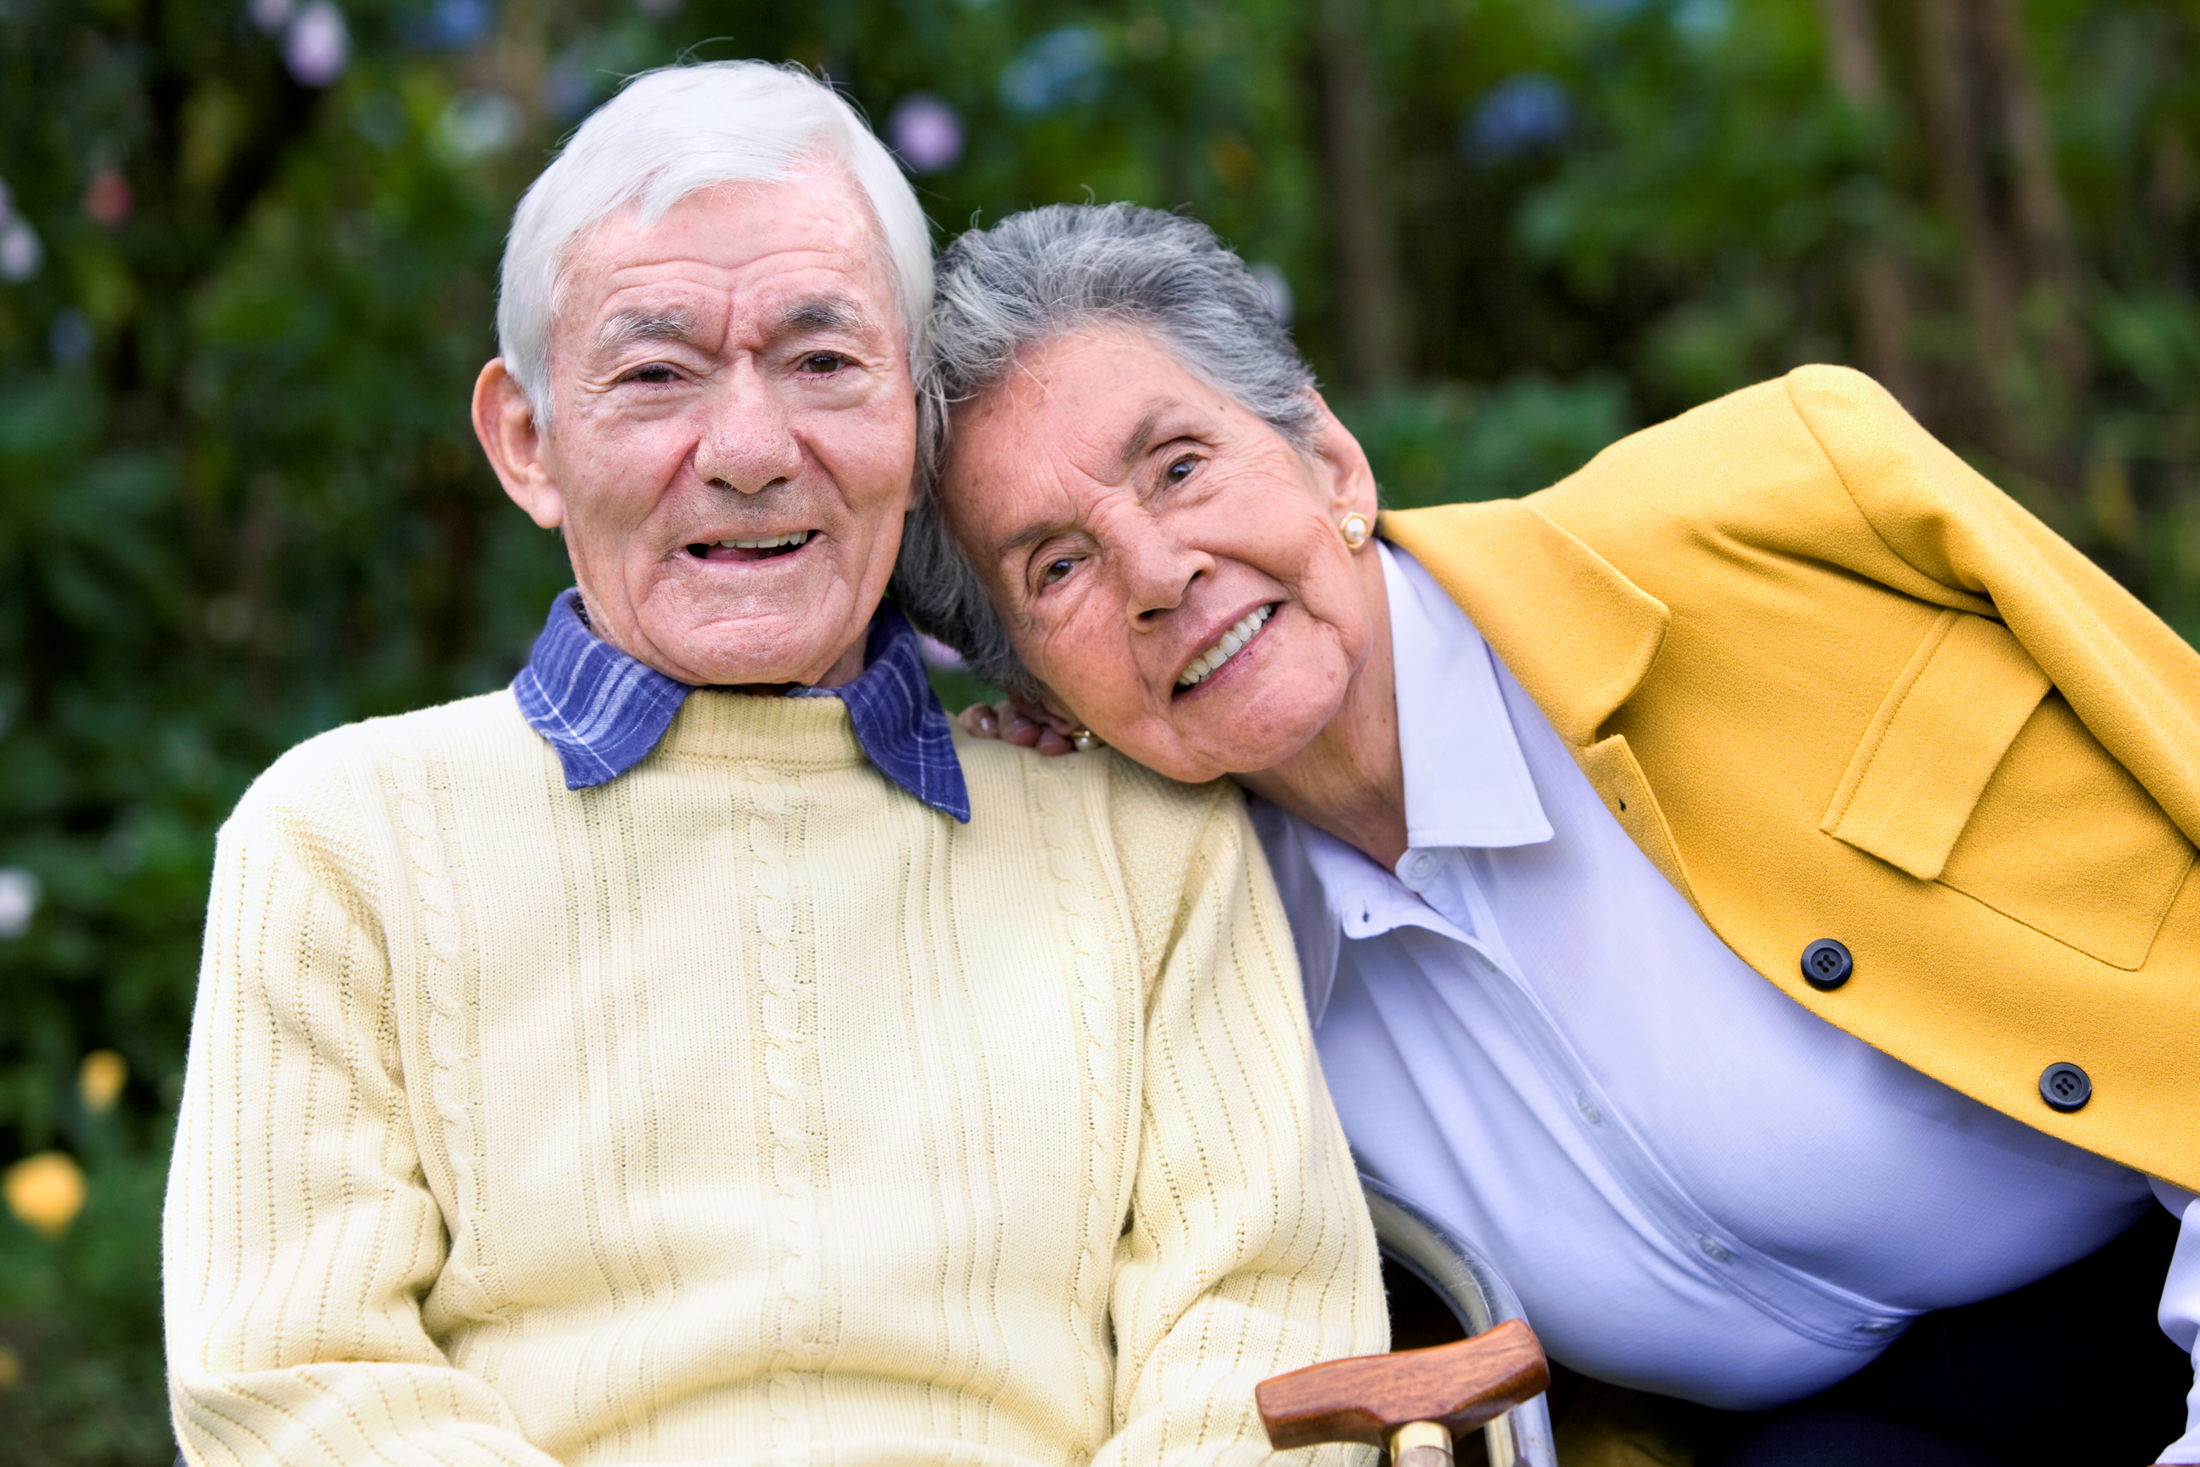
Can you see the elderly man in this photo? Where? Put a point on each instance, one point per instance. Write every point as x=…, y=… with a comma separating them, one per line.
x=692, y=1054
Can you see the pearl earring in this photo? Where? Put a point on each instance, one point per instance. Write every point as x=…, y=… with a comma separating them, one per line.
x=1354, y=527
x=1084, y=741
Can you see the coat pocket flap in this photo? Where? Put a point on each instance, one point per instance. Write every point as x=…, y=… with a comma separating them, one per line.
x=1935, y=742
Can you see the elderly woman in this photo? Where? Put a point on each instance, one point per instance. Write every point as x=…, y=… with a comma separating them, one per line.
x=1743, y=886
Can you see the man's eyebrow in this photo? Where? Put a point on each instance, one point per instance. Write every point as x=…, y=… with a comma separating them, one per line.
x=821, y=313
x=628, y=327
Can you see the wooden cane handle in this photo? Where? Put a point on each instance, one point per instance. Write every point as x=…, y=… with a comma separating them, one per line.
x=1364, y=1399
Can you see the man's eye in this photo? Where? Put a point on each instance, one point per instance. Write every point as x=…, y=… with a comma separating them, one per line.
x=820, y=363
x=654, y=372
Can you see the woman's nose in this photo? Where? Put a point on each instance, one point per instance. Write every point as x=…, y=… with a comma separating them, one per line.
x=1160, y=571
x=746, y=443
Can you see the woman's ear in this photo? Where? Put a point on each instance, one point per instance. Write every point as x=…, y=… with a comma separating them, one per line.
x=1341, y=466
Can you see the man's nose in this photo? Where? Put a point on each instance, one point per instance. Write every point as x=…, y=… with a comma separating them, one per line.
x=747, y=443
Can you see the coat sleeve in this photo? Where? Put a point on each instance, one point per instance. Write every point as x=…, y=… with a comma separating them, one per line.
x=1248, y=1250
x=2131, y=680
x=299, y=1235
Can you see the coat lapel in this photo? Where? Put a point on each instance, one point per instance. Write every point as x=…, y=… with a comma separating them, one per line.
x=1577, y=634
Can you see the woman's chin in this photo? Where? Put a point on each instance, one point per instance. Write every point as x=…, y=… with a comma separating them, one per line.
x=1241, y=730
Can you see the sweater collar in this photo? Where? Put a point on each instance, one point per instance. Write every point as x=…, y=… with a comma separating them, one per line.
x=604, y=711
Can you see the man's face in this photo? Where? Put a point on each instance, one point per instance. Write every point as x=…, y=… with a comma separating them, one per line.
x=732, y=432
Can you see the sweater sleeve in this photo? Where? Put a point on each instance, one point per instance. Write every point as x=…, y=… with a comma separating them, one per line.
x=299, y=1235
x=1248, y=1250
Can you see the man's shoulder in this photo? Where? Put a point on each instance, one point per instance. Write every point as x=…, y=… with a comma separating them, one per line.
x=336, y=764
x=1005, y=780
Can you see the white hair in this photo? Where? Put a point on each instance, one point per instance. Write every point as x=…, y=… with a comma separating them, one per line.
x=674, y=132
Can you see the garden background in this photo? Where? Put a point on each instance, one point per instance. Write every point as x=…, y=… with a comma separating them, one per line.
x=247, y=261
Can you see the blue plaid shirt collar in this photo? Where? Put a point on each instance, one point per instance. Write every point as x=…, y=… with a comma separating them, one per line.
x=603, y=711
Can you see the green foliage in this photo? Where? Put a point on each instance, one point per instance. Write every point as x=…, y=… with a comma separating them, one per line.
x=1452, y=442
x=240, y=501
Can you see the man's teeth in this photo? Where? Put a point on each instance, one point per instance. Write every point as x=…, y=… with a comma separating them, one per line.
x=1222, y=651
x=792, y=537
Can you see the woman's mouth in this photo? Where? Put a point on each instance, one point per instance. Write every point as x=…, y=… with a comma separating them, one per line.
x=759, y=549
x=1228, y=646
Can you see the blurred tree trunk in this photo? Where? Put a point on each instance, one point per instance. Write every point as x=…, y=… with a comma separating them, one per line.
x=1882, y=296
x=1994, y=164
x=2042, y=216
x=1947, y=58
x=1368, y=311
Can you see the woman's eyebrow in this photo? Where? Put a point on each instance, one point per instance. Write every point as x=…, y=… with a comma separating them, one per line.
x=1137, y=441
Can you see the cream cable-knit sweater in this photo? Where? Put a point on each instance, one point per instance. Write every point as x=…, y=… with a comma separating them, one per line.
x=743, y=1110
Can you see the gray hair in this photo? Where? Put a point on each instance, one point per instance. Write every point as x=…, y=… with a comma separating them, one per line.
x=677, y=131
x=1041, y=275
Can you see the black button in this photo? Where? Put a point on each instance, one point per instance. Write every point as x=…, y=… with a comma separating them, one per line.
x=1827, y=964
x=2065, y=1087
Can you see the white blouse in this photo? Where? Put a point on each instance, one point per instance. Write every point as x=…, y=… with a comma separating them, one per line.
x=1698, y=1186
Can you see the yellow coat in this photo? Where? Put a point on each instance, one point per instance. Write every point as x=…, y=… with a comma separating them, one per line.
x=1835, y=684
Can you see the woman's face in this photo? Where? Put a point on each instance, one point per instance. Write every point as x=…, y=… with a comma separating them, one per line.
x=1167, y=564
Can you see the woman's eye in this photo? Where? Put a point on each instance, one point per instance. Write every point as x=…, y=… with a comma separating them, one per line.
x=654, y=372
x=820, y=363
x=1180, y=470
x=1055, y=570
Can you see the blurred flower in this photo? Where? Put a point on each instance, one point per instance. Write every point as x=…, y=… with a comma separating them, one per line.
x=107, y=197
x=450, y=25
x=926, y=133
x=1059, y=68
x=45, y=1191
x=938, y=654
x=70, y=337
x=1275, y=291
x=11, y=1368
x=1703, y=20
x=271, y=15
x=19, y=893
x=99, y=1080
x=20, y=252
x=658, y=9
x=7, y=200
x=476, y=124
x=1519, y=114
x=317, y=44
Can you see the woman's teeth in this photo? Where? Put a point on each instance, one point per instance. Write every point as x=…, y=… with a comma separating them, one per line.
x=792, y=537
x=1222, y=651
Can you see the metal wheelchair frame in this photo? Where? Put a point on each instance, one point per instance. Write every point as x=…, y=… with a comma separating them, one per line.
x=1479, y=1298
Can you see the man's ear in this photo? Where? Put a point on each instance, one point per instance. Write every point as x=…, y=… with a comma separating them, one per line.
x=504, y=421
x=1341, y=465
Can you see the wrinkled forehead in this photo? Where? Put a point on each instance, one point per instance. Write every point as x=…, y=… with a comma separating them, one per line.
x=1098, y=392
x=745, y=248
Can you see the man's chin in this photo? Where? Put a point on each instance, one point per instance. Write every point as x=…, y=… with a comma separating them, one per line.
x=761, y=652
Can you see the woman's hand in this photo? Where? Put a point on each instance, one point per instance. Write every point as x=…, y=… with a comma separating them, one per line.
x=1025, y=725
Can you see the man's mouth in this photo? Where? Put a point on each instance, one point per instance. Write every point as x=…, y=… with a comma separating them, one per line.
x=1230, y=644
x=765, y=548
